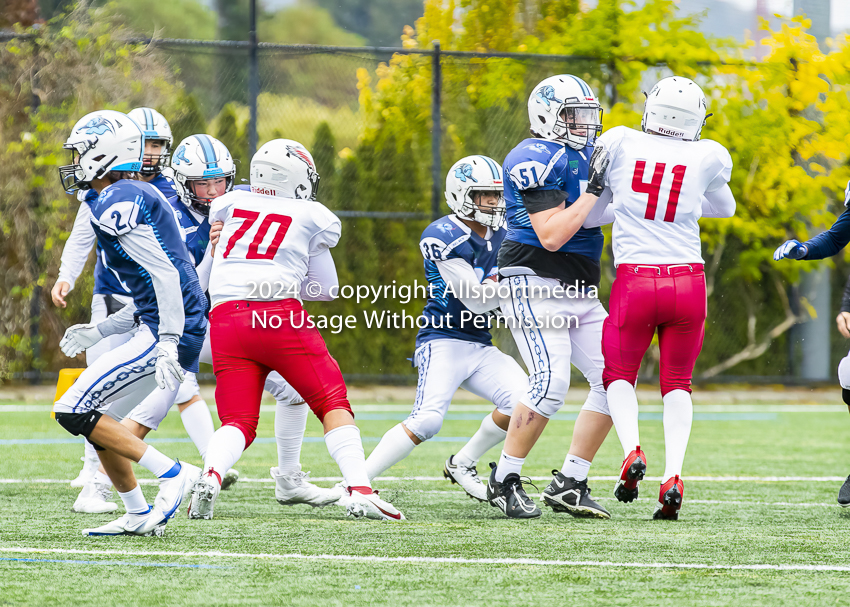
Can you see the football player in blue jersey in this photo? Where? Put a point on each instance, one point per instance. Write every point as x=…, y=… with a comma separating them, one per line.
x=142, y=243
x=453, y=346
x=827, y=244
x=551, y=264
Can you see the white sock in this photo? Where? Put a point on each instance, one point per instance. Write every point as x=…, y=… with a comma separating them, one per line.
x=345, y=447
x=134, y=501
x=623, y=404
x=101, y=478
x=156, y=462
x=199, y=425
x=507, y=465
x=488, y=436
x=575, y=467
x=290, y=423
x=678, y=416
x=394, y=447
x=90, y=452
x=224, y=449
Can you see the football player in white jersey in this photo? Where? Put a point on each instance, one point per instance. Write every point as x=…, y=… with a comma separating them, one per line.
x=454, y=348
x=273, y=252
x=660, y=182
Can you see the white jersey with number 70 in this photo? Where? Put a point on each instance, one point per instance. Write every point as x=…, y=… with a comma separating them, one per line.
x=265, y=245
x=658, y=185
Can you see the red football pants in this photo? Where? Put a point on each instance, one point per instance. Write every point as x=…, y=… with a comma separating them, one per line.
x=670, y=298
x=244, y=352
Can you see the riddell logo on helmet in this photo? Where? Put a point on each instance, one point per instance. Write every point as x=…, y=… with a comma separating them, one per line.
x=670, y=132
x=258, y=189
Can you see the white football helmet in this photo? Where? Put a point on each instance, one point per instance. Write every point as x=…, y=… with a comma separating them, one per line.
x=154, y=126
x=101, y=142
x=676, y=108
x=282, y=167
x=200, y=157
x=468, y=176
x=560, y=105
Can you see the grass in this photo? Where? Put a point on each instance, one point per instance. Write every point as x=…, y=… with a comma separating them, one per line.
x=723, y=523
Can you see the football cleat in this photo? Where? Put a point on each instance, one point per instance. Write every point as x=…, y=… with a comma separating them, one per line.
x=670, y=499
x=631, y=474
x=95, y=499
x=369, y=505
x=510, y=497
x=172, y=491
x=566, y=494
x=229, y=479
x=86, y=475
x=148, y=523
x=467, y=477
x=296, y=488
x=204, y=494
x=844, y=494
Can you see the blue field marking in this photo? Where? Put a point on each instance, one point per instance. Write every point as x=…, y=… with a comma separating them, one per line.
x=121, y=563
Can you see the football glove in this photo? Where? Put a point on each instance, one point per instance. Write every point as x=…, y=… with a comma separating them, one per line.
x=791, y=249
x=598, y=167
x=168, y=366
x=79, y=338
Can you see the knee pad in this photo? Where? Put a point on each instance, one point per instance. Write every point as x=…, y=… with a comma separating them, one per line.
x=79, y=423
x=334, y=397
x=546, y=392
x=597, y=401
x=424, y=424
x=668, y=386
x=844, y=373
x=188, y=389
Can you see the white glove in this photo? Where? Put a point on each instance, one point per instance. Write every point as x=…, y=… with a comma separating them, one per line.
x=167, y=366
x=79, y=338
x=792, y=249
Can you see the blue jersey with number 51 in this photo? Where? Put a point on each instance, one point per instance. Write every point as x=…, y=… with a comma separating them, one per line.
x=539, y=165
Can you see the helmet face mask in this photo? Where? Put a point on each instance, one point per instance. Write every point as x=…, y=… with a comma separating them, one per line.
x=564, y=109
x=155, y=128
x=468, y=182
x=201, y=158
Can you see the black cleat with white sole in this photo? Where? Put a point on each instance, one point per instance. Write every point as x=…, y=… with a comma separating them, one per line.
x=566, y=494
x=844, y=494
x=509, y=496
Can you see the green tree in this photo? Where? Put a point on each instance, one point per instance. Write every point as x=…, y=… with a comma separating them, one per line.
x=324, y=153
x=233, y=134
x=380, y=22
x=69, y=68
x=304, y=23
x=185, y=117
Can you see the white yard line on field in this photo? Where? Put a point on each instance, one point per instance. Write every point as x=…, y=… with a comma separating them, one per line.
x=336, y=479
x=429, y=560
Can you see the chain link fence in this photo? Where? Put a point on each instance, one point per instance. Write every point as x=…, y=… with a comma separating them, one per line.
x=387, y=188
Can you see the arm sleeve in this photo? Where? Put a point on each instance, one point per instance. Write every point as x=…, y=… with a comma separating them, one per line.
x=321, y=270
x=204, y=269
x=719, y=203
x=602, y=212
x=120, y=322
x=77, y=247
x=461, y=276
x=143, y=248
x=832, y=241
x=542, y=200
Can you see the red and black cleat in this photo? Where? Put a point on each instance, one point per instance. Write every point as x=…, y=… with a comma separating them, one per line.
x=631, y=474
x=670, y=500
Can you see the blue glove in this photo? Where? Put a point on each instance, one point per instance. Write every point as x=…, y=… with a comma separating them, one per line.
x=792, y=249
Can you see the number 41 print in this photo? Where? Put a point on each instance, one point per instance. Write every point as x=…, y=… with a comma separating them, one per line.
x=653, y=188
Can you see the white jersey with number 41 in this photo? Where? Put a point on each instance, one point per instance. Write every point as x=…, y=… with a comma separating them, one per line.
x=265, y=246
x=658, y=184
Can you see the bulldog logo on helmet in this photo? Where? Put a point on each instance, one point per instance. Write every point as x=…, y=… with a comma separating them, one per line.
x=464, y=172
x=547, y=94
x=97, y=126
